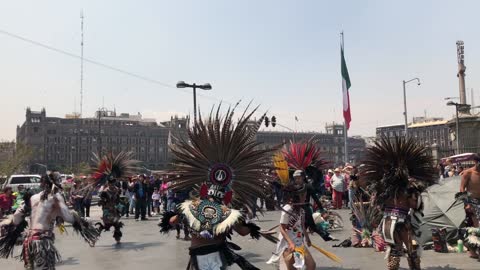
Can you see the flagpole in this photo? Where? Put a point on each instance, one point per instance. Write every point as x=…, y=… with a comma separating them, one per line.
x=345, y=130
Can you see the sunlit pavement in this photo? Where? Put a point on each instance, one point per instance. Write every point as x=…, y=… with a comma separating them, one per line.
x=144, y=248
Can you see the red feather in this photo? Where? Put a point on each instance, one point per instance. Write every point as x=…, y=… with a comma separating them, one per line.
x=203, y=191
x=228, y=197
x=301, y=155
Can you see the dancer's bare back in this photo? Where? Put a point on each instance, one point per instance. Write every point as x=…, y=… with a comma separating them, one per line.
x=44, y=213
x=471, y=182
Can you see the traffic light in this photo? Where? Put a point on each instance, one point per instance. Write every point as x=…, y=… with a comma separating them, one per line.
x=267, y=122
x=274, y=121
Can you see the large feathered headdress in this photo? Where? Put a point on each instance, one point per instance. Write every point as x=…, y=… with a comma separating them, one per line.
x=394, y=165
x=304, y=156
x=300, y=155
x=219, y=157
x=110, y=166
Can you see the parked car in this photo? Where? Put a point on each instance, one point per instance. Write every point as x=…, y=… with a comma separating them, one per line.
x=29, y=181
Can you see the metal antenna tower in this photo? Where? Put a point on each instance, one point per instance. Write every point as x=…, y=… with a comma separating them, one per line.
x=81, y=66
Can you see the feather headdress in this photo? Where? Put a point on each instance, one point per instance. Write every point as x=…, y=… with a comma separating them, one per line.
x=281, y=168
x=305, y=156
x=225, y=155
x=300, y=155
x=392, y=165
x=113, y=166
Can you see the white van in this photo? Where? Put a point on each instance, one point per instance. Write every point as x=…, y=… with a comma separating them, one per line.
x=29, y=181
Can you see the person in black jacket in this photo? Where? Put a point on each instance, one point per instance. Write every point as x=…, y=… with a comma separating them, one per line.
x=149, y=189
x=140, y=193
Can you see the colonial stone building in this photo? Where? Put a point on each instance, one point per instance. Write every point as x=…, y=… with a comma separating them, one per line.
x=65, y=142
x=426, y=130
x=7, y=151
x=331, y=143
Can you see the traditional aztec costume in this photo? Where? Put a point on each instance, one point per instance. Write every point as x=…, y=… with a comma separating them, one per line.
x=110, y=169
x=44, y=209
x=366, y=217
x=297, y=213
x=305, y=156
x=223, y=162
x=397, y=171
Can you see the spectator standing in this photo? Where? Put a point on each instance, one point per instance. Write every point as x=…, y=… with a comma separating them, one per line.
x=171, y=207
x=7, y=199
x=346, y=175
x=163, y=194
x=131, y=207
x=76, y=196
x=149, y=188
x=156, y=200
x=140, y=191
x=338, y=187
x=328, y=185
x=87, y=200
x=157, y=183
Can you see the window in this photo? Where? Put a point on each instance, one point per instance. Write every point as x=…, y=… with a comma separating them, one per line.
x=24, y=180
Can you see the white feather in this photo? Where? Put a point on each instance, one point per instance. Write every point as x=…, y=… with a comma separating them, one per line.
x=228, y=223
x=192, y=220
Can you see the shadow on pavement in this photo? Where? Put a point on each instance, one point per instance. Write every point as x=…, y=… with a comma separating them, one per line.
x=135, y=246
x=336, y=268
x=252, y=257
x=447, y=267
x=69, y=261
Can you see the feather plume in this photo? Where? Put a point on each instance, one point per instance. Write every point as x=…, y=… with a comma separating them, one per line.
x=281, y=167
x=391, y=163
x=300, y=155
x=218, y=140
x=117, y=166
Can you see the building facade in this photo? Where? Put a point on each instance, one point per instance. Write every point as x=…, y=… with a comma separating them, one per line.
x=65, y=142
x=426, y=130
x=7, y=151
x=331, y=143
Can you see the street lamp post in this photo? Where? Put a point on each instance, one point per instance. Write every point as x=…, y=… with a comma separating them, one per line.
x=457, y=132
x=405, y=103
x=205, y=86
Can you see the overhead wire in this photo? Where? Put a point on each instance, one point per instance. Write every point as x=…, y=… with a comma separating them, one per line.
x=125, y=72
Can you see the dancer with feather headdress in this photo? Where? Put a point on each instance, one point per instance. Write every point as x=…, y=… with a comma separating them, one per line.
x=397, y=171
x=226, y=165
x=109, y=169
x=43, y=209
x=297, y=214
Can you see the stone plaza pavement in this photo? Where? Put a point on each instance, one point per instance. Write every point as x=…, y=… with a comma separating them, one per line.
x=143, y=248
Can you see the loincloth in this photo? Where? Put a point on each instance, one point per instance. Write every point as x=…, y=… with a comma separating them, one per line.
x=393, y=219
x=39, y=251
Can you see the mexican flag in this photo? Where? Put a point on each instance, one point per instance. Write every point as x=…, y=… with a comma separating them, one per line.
x=345, y=87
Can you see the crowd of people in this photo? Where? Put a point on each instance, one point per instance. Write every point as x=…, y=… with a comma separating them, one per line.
x=142, y=196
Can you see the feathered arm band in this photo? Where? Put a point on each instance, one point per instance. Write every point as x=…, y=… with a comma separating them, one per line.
x=85, y=229
x=10, y=233
x=256, y=232
x=165, y=225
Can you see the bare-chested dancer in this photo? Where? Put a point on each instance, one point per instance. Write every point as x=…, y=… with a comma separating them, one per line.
x=470, y=187
x=44, y=209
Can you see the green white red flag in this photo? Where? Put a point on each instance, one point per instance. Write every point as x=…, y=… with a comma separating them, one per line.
x=345, y=87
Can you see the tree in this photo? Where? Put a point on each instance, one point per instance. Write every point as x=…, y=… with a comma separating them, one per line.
x=82, y=168
x=22, y=156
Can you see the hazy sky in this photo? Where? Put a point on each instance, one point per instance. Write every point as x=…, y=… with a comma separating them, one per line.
x=283, y=55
